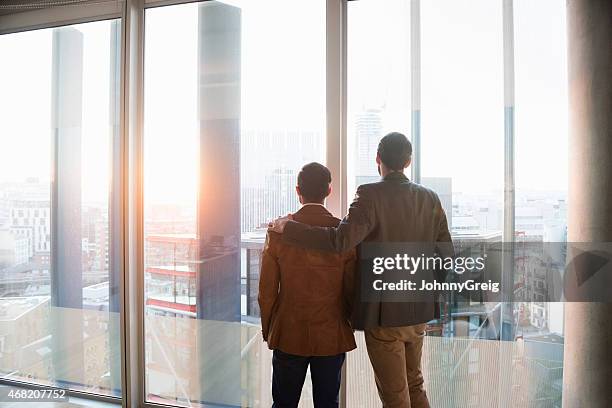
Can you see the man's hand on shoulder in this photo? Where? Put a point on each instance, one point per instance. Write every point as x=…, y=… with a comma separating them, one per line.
x=278, y=225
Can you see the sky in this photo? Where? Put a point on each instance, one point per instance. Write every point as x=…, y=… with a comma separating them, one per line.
x=462, y=106
x=282, y=86
x=25, y=108
x=283, y=89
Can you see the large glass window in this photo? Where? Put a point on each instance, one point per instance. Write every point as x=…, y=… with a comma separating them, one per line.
x=234, y=106
x=59, y=310
x=230, y=117
x=541, y=115
x=541, y=120
x=462, y=112
x=460, y=83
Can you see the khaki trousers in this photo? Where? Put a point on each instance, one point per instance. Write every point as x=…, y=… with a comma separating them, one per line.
x=395, y=354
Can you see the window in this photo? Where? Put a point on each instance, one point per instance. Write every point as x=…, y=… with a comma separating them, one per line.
x=541, y=120
x=379, y=88
x=449, y=55
x=234, y=105
x=230, y=117
x=57, y=309
x=461, y=109
x=541, y=200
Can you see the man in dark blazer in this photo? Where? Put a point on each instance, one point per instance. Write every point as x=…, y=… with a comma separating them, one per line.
x=391, y=210
x=305, y=299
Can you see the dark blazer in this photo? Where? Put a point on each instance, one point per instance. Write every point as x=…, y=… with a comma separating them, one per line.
x=305, y=294
x=391, y=210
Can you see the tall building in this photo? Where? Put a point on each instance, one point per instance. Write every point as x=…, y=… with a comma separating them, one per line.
x=443, y=186
x=95, y=234
x=268, y=189
x=31, y=219
x=14, y=250
x=368, y=131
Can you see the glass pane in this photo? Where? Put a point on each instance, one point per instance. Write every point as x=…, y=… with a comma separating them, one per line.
x=541, y=120
x=463, y=161
x=59, y=310
x=231, y=115
x=462, y=112
x=462, y=134
x=378, y=80
x=541, y=113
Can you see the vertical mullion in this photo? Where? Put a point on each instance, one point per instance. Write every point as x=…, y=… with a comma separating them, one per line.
x=506, y=332
x=116, y=215
x=507, y=318
x=335, y=86
x=509, y=187
x=336, y=107
x=131, y=124
x=415, y=87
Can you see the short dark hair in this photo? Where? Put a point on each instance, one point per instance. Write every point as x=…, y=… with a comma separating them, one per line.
x=313, y=181
x=395, y=150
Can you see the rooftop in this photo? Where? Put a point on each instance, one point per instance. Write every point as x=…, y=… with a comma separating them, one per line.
x=13, y=308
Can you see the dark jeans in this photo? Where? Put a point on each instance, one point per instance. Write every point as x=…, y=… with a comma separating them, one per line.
x=289, y=372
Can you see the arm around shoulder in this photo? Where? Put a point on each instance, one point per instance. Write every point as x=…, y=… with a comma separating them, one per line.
x=353, y=229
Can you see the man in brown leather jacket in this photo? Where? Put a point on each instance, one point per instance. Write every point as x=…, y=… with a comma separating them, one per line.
x=393, y=210
x=305, y=301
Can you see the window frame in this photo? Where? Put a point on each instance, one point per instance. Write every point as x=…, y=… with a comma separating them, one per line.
x=58, y=16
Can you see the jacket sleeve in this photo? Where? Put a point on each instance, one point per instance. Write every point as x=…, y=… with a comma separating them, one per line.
x=348, y=282
x=269, y=281
x=443, y=232
x=353, y=229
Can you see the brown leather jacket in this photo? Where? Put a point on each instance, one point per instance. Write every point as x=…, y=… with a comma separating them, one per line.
x=305, y=295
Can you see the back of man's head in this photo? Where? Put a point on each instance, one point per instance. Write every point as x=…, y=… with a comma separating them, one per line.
x=395, y=151
x=313, y=182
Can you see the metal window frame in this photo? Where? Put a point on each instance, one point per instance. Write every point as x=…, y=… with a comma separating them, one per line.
x=415, y=87
x=336, y=103
x=509, y=228
x=60, y=16
x=70, y=393
x=335, y=120
x=132, y=123
x=163, y=3
x=509, y=142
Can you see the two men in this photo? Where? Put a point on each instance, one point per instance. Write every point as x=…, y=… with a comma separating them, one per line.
x=391, y=210
x=305, y=300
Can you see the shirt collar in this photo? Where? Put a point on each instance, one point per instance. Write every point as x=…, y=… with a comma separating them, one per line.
x=312, y=208
x=304, y=205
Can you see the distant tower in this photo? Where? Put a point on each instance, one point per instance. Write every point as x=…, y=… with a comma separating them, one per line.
x=218, y=216
x=443, y=186
x=368, y=132
x=219, y=193
x=66, y=267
